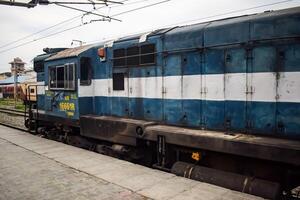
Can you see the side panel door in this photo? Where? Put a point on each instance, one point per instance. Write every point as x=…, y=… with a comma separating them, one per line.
x=145, y=93
x=136, y=92
x=288, y=103
x=153, y=103
x=213, y=90
x=262, y=90
x=172, y=89
x=191, y=88
x=235, y=89
x=119, y=92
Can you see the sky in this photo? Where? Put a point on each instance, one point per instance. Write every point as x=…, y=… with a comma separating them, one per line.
x=20, y=22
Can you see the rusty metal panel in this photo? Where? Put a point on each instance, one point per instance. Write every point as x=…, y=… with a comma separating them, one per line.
x=237, y=144
x=69, y=52
x=113, y=129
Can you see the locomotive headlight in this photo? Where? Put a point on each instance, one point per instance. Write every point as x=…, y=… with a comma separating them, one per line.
x=102, y=54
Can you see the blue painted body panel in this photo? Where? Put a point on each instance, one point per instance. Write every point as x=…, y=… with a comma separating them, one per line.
x=224, y=46
x=41, y=102
x=194, y=113
x=40, y=77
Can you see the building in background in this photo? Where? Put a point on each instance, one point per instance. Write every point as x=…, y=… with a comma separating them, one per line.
x=17, y=66
x=19, y=84
x=30, y=75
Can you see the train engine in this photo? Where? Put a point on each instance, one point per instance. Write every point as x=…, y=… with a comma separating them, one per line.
x=218, y=101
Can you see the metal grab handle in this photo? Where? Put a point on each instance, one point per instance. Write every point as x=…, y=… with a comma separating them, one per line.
x=204, y=90
x=250, y=90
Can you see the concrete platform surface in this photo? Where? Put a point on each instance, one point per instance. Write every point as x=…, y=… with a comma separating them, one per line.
x=37, y=168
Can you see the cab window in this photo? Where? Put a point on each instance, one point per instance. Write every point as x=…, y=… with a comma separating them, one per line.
x=85, y=71
x=62, y=77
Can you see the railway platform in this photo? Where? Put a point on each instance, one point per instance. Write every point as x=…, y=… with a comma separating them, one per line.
x=36, y=168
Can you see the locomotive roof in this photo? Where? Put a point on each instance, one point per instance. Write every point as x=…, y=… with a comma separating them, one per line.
x=41, y=57
x=177, y=30
x=219, y=22
x=72, y=52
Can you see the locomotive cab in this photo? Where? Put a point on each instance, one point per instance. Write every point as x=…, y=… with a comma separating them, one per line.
x=65, y=74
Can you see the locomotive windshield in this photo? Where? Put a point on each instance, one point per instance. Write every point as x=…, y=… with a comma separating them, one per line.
x=62, y=77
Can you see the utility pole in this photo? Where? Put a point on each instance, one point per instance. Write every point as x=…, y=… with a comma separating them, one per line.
x=15, y=84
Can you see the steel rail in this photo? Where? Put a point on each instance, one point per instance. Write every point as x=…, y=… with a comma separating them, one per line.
x=12, y=111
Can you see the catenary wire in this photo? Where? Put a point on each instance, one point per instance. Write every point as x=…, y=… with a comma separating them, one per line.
x=125, y=12
x=70, y=20
x=55, y=33
x=57, y=24
x=199, y=19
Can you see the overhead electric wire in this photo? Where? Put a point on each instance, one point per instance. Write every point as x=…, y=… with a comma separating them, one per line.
x=235, y=11
x=77, y=3
x=68, y=20
x=34, y=40
x=89, y=3
x=52, y=34
x=135, y=9
x=50, y=27
x=203, y=18
x=87, y=12
x=40, y=31
x=130, y=3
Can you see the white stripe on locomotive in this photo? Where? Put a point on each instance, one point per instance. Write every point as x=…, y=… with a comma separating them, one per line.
x=216, y=87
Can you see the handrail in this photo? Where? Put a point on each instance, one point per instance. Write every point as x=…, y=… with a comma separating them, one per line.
x=30, y=113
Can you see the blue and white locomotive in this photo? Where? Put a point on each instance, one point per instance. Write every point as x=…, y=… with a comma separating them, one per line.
x=223, y=94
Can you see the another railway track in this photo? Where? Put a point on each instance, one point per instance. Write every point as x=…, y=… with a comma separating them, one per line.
x=12, y=111
x=14, y=127
x=17, y=115
x=12, y=118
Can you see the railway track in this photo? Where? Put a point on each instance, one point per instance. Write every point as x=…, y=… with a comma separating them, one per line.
x=12, y=118
x=14, y=127
x=294, y=193
x=13, y=112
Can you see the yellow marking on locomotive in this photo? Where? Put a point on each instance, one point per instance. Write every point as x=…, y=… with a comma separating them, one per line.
x=67, y=98
x=73, y=96
x=65, y=106
x=70, y=114
x=49, y=93
x=72, y=106
x=196, y=156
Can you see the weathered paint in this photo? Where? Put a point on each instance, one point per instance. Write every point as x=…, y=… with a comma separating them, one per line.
x=223, y=75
